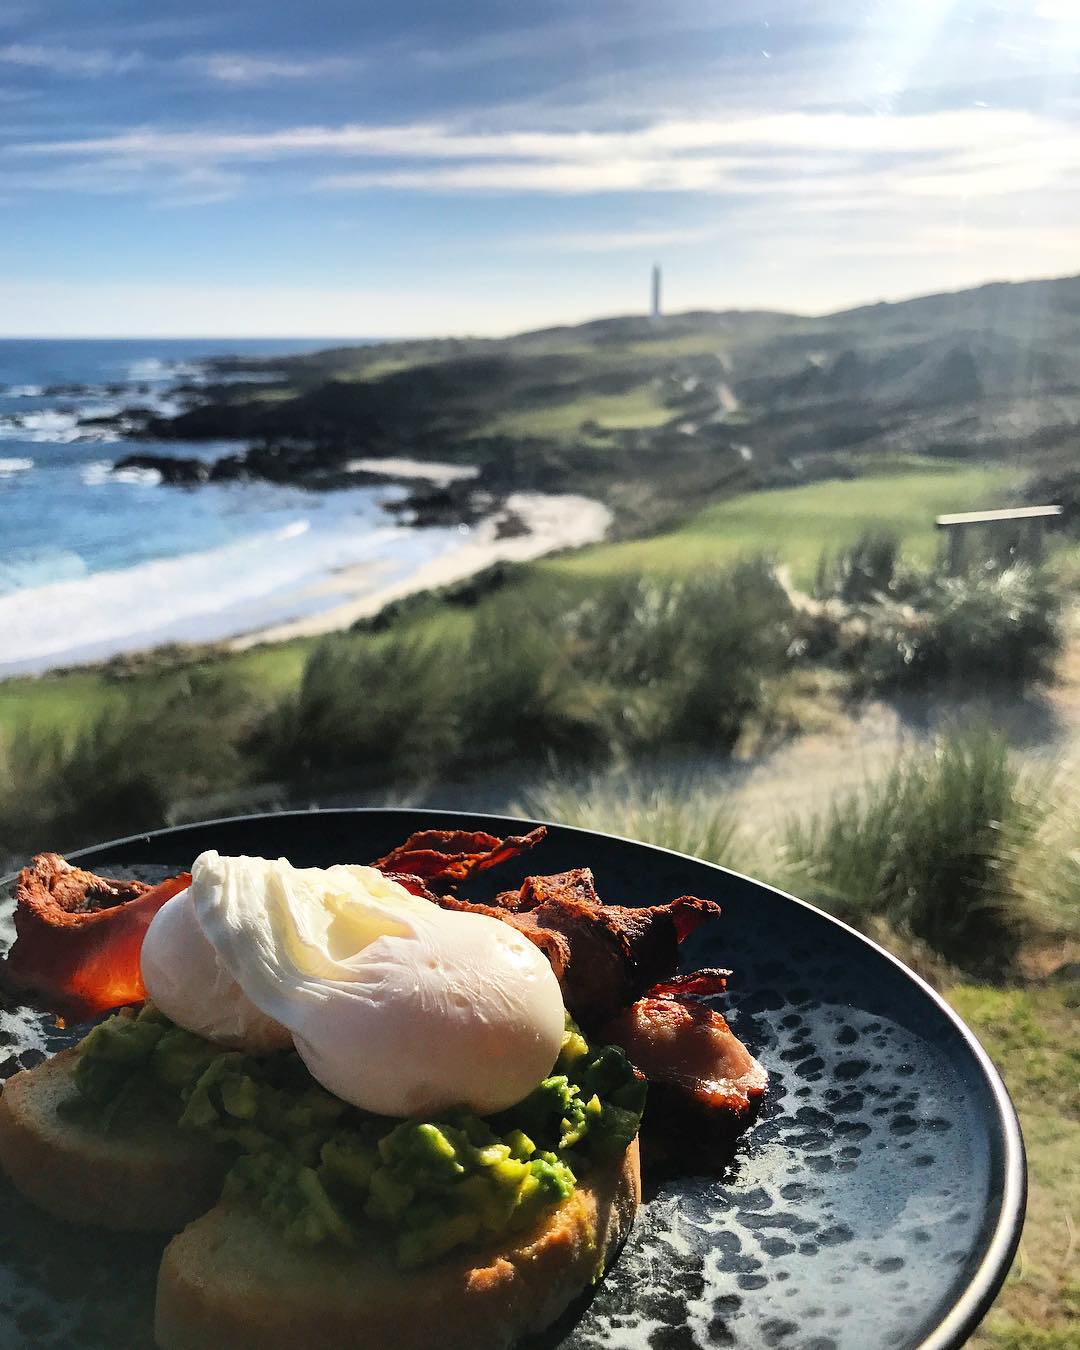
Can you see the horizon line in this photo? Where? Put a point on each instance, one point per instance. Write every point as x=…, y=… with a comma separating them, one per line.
x=520, y=332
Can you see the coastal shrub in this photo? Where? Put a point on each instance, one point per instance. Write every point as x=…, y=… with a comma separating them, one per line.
x=367, y=711
x=988, y=626
x=860, y=573
x=900, y=628
x=516, y=693
x=28, y=767
x=122, y=771
x=929, y=848
x=688, y=659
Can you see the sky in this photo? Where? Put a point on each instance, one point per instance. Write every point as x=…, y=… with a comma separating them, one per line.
x=347, y=168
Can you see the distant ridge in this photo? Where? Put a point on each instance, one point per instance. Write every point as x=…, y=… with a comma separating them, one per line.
x=1061, y=293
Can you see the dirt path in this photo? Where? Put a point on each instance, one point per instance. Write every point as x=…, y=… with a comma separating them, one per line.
x=803, y=775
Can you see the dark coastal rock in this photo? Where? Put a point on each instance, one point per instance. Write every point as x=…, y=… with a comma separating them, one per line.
x=175, y=470
x=104, y=420
x=130, y=421
x=458, y=503
x=230, y=469
x=510, y=526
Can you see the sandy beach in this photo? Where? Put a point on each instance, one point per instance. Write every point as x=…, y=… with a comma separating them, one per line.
x=401, y=468
x=551, y=523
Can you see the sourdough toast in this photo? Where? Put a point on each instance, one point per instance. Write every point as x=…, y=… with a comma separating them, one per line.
x=147, y=1176
x=228, y=1280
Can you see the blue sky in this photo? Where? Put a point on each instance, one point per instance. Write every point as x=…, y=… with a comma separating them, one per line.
x=340, y=167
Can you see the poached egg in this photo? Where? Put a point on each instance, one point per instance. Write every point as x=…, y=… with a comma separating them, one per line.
x=395, y=1005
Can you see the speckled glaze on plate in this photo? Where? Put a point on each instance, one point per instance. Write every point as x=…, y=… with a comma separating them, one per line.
x=876, y=1204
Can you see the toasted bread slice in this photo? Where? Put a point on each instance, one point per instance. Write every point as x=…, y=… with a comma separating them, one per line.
x=230, y=1281
x=151, y=1176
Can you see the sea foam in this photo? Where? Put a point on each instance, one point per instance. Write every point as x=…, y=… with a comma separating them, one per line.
x=266, y=578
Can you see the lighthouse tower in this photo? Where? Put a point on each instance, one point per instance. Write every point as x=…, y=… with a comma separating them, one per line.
x=654, y=312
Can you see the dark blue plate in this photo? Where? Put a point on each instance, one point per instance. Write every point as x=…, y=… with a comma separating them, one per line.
x=876, y=1204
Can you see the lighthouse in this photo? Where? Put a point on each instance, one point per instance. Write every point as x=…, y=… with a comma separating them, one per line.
x=654, y=312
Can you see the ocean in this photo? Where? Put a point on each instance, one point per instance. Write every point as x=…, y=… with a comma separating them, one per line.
x=95, y=563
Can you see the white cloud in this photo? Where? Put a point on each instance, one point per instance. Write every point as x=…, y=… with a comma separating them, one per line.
x=68, y=60
x=199, y=187
x=967, y=153
x=807, y=132
x=99, y=178
x=241, y=69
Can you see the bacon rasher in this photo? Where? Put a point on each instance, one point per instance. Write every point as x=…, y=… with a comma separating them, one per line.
x=78, y=936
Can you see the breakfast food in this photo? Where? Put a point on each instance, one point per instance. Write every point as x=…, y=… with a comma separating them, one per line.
x=146, y=1175
x=413, y=1107
x=78, y=936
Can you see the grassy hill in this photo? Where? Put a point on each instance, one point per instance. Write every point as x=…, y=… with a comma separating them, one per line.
x=659, y=417
x=797, y=524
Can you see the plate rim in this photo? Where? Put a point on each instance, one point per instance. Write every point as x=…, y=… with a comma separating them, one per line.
x=954, y=1328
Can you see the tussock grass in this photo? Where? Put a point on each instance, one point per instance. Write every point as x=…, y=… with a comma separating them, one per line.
x=687, y=660
x=680, y=811
x=956, y=856
x=367, y=711
x=929, y=848
x=517, y=695
x=538, y=675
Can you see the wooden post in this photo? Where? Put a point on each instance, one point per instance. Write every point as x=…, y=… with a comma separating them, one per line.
x=956, y=549
x=1015, y=532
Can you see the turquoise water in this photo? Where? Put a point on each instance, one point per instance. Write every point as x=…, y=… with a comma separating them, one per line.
x=93, y=562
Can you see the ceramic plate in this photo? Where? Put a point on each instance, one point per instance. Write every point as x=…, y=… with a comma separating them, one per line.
x=876, y=1204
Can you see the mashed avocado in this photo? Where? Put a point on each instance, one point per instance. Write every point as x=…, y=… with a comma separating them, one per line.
x=325, y=1171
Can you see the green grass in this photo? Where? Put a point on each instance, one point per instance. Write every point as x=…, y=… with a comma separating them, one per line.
x=796, y=524
x=67, y=700
x=375, y=370
x=636, y=408
x=1030, y=1034
x=665, y=348
x=793, y=523
x=55, y=702
x=274, y=394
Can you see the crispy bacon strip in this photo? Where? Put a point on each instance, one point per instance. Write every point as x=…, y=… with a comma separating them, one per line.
x=704, y=983
x=78, y=936
x=604, y=956
x=577, y=885
x=699, y=1072
x=443, y=857
x=412, y=884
